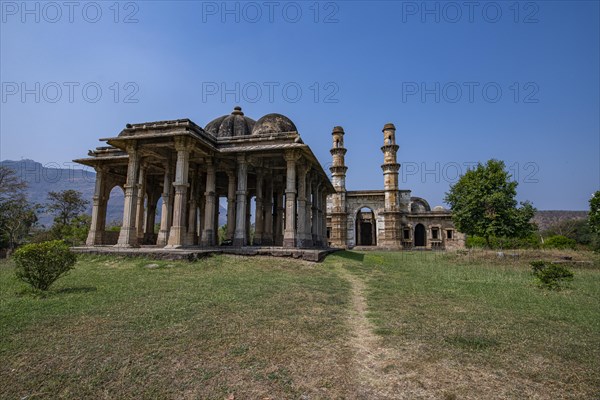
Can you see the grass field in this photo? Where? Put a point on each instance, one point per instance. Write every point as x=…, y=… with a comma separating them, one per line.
x=359, y=325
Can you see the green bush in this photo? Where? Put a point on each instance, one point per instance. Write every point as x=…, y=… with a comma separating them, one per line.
x=529, y=242
x=40, y=264
x=559, y=242
x=551, y=276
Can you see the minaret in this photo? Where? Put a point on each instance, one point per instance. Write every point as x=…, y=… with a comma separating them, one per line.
x=338, y=237
x=392, y=214
x=390, y=168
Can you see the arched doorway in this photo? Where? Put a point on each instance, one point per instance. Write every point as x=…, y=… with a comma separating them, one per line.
x=419, y=235
x=365, y=230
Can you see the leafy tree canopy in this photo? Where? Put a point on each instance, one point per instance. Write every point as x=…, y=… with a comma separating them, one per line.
x=483, y=203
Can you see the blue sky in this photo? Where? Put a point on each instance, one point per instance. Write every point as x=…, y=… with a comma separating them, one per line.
x=506, y=80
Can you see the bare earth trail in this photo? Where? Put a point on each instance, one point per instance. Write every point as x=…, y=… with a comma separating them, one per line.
x=373, y=364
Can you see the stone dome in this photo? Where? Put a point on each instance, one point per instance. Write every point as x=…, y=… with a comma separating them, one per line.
x=439, y=209
x=232, y=125
x=273, y=123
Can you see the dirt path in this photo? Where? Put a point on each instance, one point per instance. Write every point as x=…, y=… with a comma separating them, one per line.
x=372, y=362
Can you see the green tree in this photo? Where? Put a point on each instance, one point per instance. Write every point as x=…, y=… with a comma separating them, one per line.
x=69, y=223
x=594, y=219
x=66, y=205
x=483, y=204
x=594, y=216
x=17, y=215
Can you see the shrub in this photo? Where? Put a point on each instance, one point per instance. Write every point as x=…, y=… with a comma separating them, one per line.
x=40, y=264
x=551, y=276
x=559, y=242
x=528, y=242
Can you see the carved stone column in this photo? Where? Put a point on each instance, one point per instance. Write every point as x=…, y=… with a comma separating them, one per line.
x=98, y=223
x=178, y=230
x=290, y=234
x=231, y=205
x=308, y=213
x=315, y=214
x=139, y=224
x=151, y=215
x=240, y=237
x=128, y=233
x=167, y=207
x=301, y=239
x=279, y=215
x=260, y=212
x=208, y=236
x=192, y=210
x=268, y=212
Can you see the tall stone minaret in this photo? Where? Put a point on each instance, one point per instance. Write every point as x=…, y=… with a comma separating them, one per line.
x=392, y=214
x=338, y=237
x=390, y=168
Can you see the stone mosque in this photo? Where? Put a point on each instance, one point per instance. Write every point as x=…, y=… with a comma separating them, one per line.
x=261, y=167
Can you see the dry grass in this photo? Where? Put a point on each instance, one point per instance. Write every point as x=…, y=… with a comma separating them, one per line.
x=477, y=327
x=373, y=325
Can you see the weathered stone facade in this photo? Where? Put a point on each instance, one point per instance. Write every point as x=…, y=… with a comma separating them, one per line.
x=190, y=168
x=389, y=218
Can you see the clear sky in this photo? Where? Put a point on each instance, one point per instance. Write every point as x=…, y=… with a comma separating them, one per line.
x=462, y=81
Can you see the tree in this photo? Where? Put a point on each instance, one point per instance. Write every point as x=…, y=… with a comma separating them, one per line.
x=11, y=186
x=483, y=204
x=594, y=215
x=17, y=215
x=594, y=219
x=66, y=205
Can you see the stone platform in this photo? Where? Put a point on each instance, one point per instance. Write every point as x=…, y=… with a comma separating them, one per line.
x=195, y=253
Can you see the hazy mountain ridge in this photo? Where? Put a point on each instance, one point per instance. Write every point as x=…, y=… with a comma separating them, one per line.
x=42, y=179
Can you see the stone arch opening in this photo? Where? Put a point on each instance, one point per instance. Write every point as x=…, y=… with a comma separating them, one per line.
x=114, y=214
x=420, y=235
x=365, y=227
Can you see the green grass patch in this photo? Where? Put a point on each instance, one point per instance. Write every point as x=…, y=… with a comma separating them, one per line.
x=123, y=328
x=484, y=315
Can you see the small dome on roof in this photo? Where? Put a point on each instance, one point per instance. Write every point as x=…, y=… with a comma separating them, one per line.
x=234, y=124
x=439, y=209
x=274, y=123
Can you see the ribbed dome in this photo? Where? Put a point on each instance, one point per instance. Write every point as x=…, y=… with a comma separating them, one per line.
x=273, y=123
x=234, y=124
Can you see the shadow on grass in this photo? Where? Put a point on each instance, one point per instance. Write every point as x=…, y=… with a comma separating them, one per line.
x=350, y=255
x=43, y=294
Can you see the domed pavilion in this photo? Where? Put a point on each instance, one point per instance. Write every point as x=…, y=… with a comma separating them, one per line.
x=259, y=166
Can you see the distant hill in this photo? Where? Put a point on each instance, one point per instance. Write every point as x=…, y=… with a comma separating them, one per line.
x=544, y=219
x=42, y=179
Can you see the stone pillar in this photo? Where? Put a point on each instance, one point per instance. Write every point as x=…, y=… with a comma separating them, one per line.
x=240, y=237
x=231, y=205
x=167, y=207
x=192, y=209
x=260, y=212
x=315, y=215
x=248, y=218
x=290, y=234
x=208, y=236
x=151, y=214
x=216, y=219
x=128, y=233
x=308, y=213
x=98, y=223
x=302, y=239
x=323, y=219
x=268, y=212
x=140, y=203
x=279, y=210
x=178, y=230
x=202, y=212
